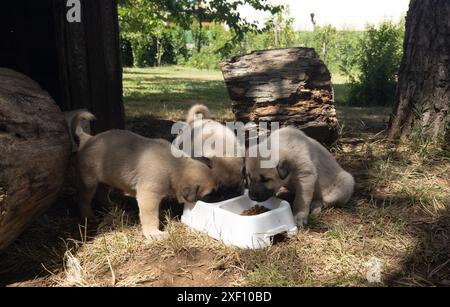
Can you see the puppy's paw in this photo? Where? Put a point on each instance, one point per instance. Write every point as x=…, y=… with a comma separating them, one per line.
x=316, y=207
x=302, y=219
x=156, y=235
x=301, y=222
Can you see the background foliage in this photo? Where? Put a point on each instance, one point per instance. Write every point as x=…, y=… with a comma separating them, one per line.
x=190, y=33
x=376, y=61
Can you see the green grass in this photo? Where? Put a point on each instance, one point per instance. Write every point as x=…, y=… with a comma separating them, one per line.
x=341, y=88
x=168, y=92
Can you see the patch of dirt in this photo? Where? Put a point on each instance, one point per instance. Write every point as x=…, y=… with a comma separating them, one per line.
x=190, y=269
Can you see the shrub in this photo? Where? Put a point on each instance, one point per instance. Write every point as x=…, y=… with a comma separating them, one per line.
x=207, y=58
x=127, y=53
x=378, y=62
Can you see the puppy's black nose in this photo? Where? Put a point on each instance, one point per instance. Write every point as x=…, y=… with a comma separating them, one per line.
x=260, y=196
x=252, y=196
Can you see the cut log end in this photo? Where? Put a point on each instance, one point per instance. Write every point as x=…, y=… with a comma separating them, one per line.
x=291, y=86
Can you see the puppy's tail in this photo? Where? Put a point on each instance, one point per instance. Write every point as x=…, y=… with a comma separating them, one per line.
x=342, y=191
x=198, y=109
x=77, y=129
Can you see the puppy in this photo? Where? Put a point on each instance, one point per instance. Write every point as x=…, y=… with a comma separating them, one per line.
x=227, y=170
x=69, y=115
x=306, y=168
x=140, y=167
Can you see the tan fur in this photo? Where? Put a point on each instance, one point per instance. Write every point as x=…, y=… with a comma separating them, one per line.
x=78, y=119
x=195, y=111
x=306, y=168
x=227, y=171
x=141, y=167
x=78, y=124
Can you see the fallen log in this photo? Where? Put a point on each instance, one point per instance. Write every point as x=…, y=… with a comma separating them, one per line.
x=34, y=153
x=291, y=86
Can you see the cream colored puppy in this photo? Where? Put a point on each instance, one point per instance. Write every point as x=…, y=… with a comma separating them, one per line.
x=69, y=115
x=140, y=167
x=227, y=169
x=306, y=168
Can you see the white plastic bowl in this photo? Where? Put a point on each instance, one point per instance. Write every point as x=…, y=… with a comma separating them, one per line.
x=222, y=221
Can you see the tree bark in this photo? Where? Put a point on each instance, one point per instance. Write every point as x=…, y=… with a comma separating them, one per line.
x=423, y=92
x=34, y=153
x=291, y=86
x=89, y=59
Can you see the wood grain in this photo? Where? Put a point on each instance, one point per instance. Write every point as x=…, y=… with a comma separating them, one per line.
x=34, y=153
x=291, y=86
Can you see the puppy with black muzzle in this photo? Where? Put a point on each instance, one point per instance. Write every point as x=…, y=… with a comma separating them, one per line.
x=227, y=169
x=305, y=168
x=140, y=167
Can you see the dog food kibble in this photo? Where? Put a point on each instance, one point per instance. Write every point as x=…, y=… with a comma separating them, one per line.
x=256, y=210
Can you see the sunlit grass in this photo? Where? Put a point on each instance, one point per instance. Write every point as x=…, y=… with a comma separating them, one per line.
x=168, y=92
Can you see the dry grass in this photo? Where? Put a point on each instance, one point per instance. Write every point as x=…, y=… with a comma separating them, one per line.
x=399, y=216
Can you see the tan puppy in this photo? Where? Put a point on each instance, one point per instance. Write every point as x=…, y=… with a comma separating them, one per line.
x=228, y=170
x=141, y=167
x=306, y=168
x=69, y=115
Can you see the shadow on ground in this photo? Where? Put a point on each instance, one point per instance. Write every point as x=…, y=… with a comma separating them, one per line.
x=151, y=127
x=428, y=264
x=41, y=249
x=42, y=246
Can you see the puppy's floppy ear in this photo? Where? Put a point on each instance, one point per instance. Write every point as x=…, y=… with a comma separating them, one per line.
x=283, y=169
x=190, y=194
x=207, y=161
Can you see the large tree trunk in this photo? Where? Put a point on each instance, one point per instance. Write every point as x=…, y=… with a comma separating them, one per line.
x=89, y=60
x=34, y=152
x=291, y=86
x=78, y=63
x=423, y=93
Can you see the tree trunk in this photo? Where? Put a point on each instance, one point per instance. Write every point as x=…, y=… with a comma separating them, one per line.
x=200, y=34
x=89, y=59
x=275, y=31
x=423, y=93
x=158, y=57
x=34, y=152
x=291, y=86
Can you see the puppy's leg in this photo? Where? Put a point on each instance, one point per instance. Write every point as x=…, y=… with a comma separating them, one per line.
x=317, y=203
x=86, y=192
x=102, y=196
x=303, y=197
x=148, y=203
x=316, y=207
